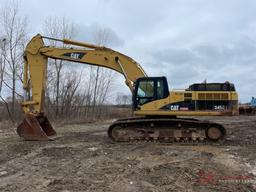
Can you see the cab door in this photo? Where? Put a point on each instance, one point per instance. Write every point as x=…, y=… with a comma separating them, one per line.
x=149, y=89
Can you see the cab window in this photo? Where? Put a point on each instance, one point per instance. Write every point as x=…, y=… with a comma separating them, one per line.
x=160, y=89
x=146, y=89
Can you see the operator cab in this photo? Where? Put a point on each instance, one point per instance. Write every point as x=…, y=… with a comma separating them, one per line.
x=149, y=89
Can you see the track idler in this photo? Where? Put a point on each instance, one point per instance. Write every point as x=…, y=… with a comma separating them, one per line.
x=36, y=128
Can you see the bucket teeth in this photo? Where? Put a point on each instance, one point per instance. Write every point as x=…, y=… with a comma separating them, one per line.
x=35, y=128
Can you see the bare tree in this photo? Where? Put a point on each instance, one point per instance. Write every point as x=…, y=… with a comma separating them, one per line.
x=2, y=71
x=69, y=91
x=58, y=28
x=63, y=87
x=2, y=61
x=101, y=76
x=14, y=29
x=123, y=99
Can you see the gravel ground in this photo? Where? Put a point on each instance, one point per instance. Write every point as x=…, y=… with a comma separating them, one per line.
x=82, y=158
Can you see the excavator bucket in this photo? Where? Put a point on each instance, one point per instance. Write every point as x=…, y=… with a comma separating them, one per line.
x=35, y=128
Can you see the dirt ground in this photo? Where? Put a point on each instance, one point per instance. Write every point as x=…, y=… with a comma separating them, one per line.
x=82, y=158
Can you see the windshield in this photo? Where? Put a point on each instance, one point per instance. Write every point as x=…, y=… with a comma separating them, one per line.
x=146, y=89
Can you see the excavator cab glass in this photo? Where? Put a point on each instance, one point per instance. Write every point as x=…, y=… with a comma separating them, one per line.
x=149, y=89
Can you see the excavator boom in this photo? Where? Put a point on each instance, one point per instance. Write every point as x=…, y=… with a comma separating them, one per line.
x=36, y=126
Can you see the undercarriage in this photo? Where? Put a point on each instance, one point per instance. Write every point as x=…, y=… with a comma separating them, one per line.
x=167, y=130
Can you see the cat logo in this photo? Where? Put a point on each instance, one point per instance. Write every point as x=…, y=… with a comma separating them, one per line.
x=174, y=107
x=75, y=55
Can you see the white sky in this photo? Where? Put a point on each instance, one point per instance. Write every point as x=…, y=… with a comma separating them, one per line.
x=186, y=40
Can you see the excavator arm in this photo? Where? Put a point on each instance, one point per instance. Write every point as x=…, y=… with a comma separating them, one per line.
x=35, y=125
x=36, y=59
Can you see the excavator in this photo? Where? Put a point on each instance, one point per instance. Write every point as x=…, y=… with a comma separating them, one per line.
x=159, y=114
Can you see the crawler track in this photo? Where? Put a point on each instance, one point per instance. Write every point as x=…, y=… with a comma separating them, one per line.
x=165, y=130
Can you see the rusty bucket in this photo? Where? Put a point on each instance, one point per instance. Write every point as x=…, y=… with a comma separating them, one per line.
x=36, y=128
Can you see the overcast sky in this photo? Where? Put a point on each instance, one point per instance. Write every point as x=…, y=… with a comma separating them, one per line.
x=186, y=40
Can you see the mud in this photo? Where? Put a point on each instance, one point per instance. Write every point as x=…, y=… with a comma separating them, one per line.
x=82, y=158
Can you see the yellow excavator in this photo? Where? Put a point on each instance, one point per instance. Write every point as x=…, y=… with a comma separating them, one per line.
x=157, y=111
